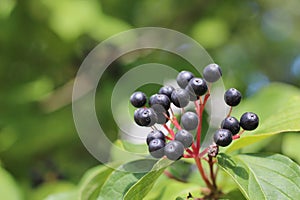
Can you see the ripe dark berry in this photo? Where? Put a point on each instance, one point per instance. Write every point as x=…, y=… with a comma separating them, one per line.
x=223, y=137
x=185, y=137
x=166, y=90
x=145, y=117
x=197, y=86
x=161, y=118
x=155, y=134
x=232, y=97
x=156, y=148
x=174, y=150
x=249, y=121
x=212, y=73
x=180, y=98
x=232, y=124
x=159, y=102
x=183, y=78
x=189, y=120
x=138, y=99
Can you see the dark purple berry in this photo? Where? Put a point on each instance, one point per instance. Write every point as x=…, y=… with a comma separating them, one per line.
x=138, y=99
x=212, y=73
x=183, y=78
x=185, y=137
x=155, y=134
x=174, y=150
x=189, y=120
x=159, y=102
x=161, y=118
x=223, y=137
x=232, y=97
x=249, y=121
x=145, y=117
x=156, y=148
x=232, y=124
x=197, y=86
x=166, y=90
x=180, y=98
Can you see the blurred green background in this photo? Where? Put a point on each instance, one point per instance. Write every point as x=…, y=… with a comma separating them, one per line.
x=43, y=42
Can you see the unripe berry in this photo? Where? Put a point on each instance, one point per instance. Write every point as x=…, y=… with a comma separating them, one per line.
x=212, y=73
x=183, y=78
x=249, y=121
x=174, y=150
x=223, y=137
x=138, y=99
x=232, y=97
x=156, y=148
x=232, y=124
x=185, y=137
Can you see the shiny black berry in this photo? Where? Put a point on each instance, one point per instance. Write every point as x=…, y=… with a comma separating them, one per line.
x=185, y=137
x=232, y=124
x=166, y=90
x=159, y=102
x=232, y=97
x=197, y=86
x=174, y=150
x=180, y=98
x=145, y=117
x=138, y=99
x=156, y=148
x=183, y=78
x=155, y=134
x=249, y=121
x=212, y=73
x=223, y=137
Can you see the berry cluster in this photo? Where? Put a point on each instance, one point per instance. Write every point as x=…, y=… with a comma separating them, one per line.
x=230, y=126
x=180, y=142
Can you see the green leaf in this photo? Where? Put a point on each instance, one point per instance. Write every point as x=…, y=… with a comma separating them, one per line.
x=92, y=181
x=121, y=180
x=263, y=176
x=279, y=115
x=63, y=196
x=8, y=187
x=291, y=147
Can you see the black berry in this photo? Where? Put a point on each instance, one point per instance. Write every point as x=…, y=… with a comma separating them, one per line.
x=185, y=137
x=159, y=102
x=197, y=86
x=189, y=120
x=156, y=148
x=212, y=73
x=183, y=78
x=155, y=134
x=223, y=137
x=174, y=150
x=232, y=124
x=180, y=98
x=145, y=116
x=232, y=97
x=138, y=99
x=249, y=121
x=166, y=90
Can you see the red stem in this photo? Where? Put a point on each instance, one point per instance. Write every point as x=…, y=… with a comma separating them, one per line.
x=171, y=132
x=202, y=173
